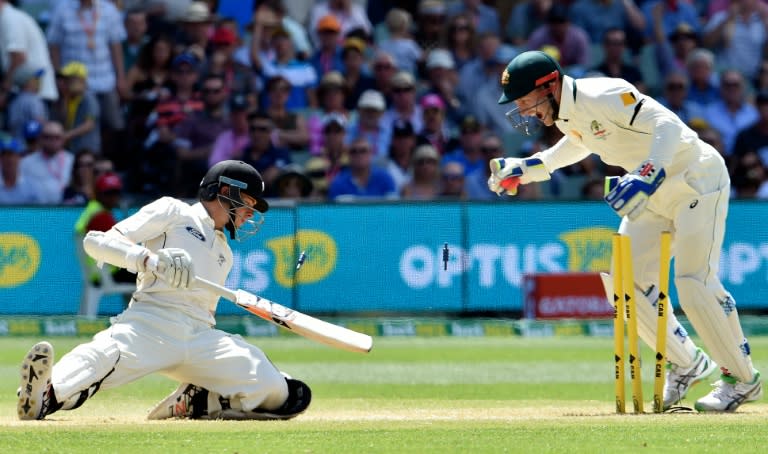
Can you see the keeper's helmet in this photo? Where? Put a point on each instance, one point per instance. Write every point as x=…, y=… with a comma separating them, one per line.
x=526, y=72
x=241, y=178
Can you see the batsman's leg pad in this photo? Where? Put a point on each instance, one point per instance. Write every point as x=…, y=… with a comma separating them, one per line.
x=716, y=321
x=680, y=348
x=79, y=373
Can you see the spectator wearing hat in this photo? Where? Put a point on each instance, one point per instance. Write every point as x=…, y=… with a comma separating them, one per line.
x=486, y=19
x=399, y=42
x=22, y=43
x=157, y=166
x=238, y=77
x=15, y=187
x=231, y=143
x=367, y=124
x=571, y=40
x=351, y=15
x=185, y=74
x=262, y=154
x=400, y=151
x=425, y=182
x=435, y=130
x=31, y=134
x=79, y=111
x=194, y=29
x=430, y=23
x=27, y=105
x=300, y=74
x=334, y=149
x=331, y=95
x=292, y=183
x=290, y=127
x=614, y=65
x=327, y=57
x=316, y=169
x=466, y=148
x=404, y=105
x=672, y=49
x=91, y=32
x=361, y=178
x=50, y=167
x=442, y=80
x=98, y=215
x=297, y=31
x=672, y=14
x=355, y=74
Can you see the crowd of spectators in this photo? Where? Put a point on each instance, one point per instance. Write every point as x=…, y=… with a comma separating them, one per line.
x=349, y=99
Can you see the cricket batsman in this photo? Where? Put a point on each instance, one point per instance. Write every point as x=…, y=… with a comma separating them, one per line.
x=168, y=327
x=674, y=182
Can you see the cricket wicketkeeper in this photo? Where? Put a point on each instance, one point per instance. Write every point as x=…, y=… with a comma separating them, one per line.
x=168, y=327
x=675, y=182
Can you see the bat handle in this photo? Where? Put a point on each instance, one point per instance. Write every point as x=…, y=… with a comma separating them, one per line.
x=216, y=288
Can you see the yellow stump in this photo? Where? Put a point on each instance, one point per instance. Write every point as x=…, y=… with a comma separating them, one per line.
x=662, y=306
x=632, y=335
x=618, y=325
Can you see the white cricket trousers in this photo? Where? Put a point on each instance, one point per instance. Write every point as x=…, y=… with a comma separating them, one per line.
x=151, y=339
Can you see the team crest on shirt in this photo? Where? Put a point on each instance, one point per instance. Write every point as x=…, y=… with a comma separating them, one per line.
x=221, y=260
x=598, y=132
x=196, y=233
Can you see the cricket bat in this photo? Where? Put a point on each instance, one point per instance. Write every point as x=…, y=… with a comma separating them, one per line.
x=301, y=324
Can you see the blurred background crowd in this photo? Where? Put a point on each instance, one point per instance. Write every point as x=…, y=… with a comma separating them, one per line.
x=348, y=99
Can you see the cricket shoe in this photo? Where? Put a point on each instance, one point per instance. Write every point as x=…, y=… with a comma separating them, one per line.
x=35, y=385
x=679, y=380
x=187, y=401
x=730, y=393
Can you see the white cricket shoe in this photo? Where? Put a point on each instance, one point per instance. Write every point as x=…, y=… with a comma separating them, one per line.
x=680, y=380
x=35, y=382
x=730, y=393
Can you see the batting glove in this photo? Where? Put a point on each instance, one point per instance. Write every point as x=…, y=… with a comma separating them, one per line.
x=628, y=196
x=508, y=173
x=175, y=267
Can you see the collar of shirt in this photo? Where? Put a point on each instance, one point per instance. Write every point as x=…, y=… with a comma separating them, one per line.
x=200, y=211
x=567, y=99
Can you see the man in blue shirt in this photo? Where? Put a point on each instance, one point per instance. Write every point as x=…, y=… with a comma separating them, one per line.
x=360, y=178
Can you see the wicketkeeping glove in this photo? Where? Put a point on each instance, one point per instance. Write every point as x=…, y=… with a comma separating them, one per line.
x=628, y=196
x=508, y=173
x=175, y=267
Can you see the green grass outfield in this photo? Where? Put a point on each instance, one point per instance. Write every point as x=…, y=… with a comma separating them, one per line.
x=409, y=395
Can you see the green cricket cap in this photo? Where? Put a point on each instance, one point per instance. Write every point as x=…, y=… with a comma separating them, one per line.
x=527, y=71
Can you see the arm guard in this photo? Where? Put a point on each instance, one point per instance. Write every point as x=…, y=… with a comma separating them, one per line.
x=113, y=248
